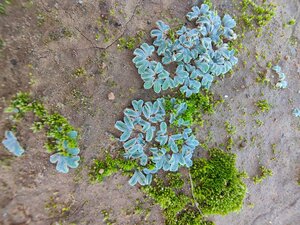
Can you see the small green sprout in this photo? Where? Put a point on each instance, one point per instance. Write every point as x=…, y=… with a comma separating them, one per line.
x=263, y=105
x=264, y=173
x=230, y=128
x=292, y=22
x=259, y=122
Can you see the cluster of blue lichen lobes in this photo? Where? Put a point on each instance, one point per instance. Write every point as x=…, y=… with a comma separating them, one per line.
x=159, y=140
x=282, y=83
x=200, y=54
x=152, y=133
x=69, y=157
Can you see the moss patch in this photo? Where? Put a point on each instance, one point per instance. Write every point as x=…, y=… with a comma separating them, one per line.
x=219, y=188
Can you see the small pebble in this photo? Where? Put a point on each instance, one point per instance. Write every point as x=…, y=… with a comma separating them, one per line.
x=225, y=96
x=111, y=96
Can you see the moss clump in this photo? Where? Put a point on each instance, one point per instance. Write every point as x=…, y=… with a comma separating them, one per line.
x=263, y=105
x=131, y=42
x=3, y=6
x=219, y=188
x=264, y=173
x=177, y=206
x=254, y=14
x=106, y=218
x=172, y=34
x=79, y=72
x=208, y=2
x=292, y=22
x=197, y=105
x=262, y=76
x=57, y=127
x=229, y=144
x=231, y=129
x=104, y=168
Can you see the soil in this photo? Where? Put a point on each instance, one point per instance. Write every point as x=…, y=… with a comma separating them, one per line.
x=48, y=42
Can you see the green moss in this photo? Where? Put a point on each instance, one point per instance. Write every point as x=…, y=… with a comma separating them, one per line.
x=104, y=168
x=106, y=218
x=79, y=72
x=57, y=208
x=262, y=77
x=263, y=105
x=172, y=34
x=197, y=105
x=269, y=65
x=264, y=173
x=292, y=22
x=229, y=144
x=254, y=14
x=230, y=128
x=177, y=206
x=208, y=2
x=219, y=188
x=3, y=6
x=57, y=127
x=259, y=122
x=217, y=185
x=131, y=42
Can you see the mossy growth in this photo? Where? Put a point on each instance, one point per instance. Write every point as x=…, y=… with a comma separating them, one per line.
x=230, y=129
x=208, y=2
x=263, y=105
x=253, y=16
x=219, y=188
x=3, y=6
x=172, y=34
x=259, y=122
x=177, y=207
x=292, y=22
x=110, y=165
x=197, y=105
x=57, y=208
x=106, y=218
x=229, y=144
x=262, y=77
x=57, y=127
x=79, y=72
x=131, y=42
x=256, y=15
x=264, y=173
